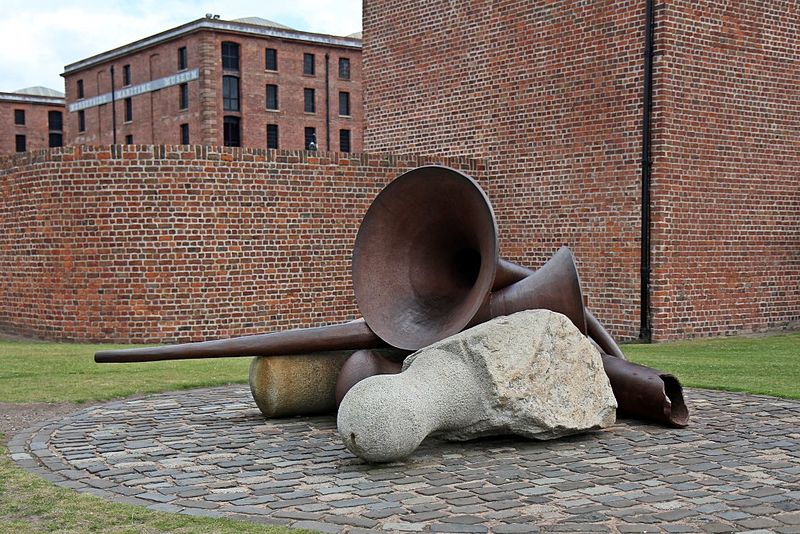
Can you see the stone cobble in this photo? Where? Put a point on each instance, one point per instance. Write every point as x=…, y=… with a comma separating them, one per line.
x=207, y=452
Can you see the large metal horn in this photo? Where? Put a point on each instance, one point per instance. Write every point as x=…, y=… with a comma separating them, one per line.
x=425, y=257
x=424, y=265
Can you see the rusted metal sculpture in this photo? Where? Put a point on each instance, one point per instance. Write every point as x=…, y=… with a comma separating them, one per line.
x=425, y=266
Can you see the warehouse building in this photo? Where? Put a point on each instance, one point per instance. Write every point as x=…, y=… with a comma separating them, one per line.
x=30, y=119
x=248, y=82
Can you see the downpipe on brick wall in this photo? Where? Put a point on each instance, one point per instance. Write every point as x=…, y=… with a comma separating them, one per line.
x=645, y=324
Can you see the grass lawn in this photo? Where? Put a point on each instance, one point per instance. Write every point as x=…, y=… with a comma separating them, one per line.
x=769, y=365
x=63, y=372
x=53, y=372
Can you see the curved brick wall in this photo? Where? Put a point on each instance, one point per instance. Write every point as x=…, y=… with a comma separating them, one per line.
x=156, y=244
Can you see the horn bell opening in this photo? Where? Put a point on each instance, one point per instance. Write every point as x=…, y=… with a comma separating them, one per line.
x=425, y=257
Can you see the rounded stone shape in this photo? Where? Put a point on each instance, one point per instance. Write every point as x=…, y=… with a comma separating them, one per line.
x=305, y=384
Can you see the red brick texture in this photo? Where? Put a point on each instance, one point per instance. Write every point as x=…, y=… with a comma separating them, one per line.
x=726, y=185
x=166, y=243
x=550, y=95
x=36, y=128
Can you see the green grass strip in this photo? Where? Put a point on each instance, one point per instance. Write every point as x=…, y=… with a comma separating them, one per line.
x=768, y=365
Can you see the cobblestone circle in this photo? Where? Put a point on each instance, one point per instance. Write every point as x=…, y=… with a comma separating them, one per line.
x=211, y=452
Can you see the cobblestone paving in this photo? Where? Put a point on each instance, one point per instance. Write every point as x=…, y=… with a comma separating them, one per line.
x=210, y=452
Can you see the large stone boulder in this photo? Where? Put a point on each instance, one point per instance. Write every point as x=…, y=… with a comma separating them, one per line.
x=531, y=373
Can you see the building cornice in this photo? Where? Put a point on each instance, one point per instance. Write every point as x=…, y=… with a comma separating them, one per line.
x=31, y=99
x=213, y=25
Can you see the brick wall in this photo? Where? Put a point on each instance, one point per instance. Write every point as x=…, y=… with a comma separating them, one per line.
x=726, y=212
x=550, y=93
x=163, y=243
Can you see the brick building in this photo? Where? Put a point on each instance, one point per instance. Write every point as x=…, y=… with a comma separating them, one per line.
x=31, y=119
x=552, y=94
x=247, y=82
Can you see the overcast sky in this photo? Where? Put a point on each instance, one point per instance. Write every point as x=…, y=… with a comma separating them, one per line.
x=37, y=38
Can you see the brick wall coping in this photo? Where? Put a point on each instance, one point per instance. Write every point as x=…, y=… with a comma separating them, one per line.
x=187, y=153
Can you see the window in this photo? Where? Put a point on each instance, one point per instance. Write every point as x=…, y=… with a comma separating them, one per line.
x=129, y=139
x=55, y=123
x=308, y=64
x=184, y=95
x=311, y=138
x=81, y=121
x=230, y=131
x=19, y=116
x=230, y=56
x=272, y=97
x=230, y=93
x=344, y=103
x=128, y=109
x=344, y=140
x=55, y=120
x=308, y=100
x=272, y=136
x=80, y=88
x=183, y=58
x=271, y=59
x=344, y=68
x=184, y=134
x=20, y=140
x=126, y=75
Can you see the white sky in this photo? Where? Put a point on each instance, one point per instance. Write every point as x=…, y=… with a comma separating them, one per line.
x=37, y=38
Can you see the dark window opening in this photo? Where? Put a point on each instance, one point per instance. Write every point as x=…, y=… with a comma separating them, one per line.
x=308, y=64
x=231, y=131
x=311, y=138
x=184, y=95
x=344, y=68
x=184, y=134
x=81, y=121
x=19, y=117
x=309, y=105
x=20, y=142
x=230, y=55
x=344, y=140
x=272, y=97
x=55, y=120
x=230, y=93
x=55, y=139
x=344, y=103
x=272, y=136
x=128, y=109
x=126, y=75
x=183, y=58
x=129, y=139
x=271, y=59
x=80, y=88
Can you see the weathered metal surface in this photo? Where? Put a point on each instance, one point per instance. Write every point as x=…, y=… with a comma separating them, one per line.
x=425, y=257
x=646, y=393
x=364, y=364
x=556, y=287
x=347, y=336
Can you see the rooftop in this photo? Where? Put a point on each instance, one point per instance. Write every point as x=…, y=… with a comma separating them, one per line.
x=38, y=90
x=34, y=95
x=255, y=26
